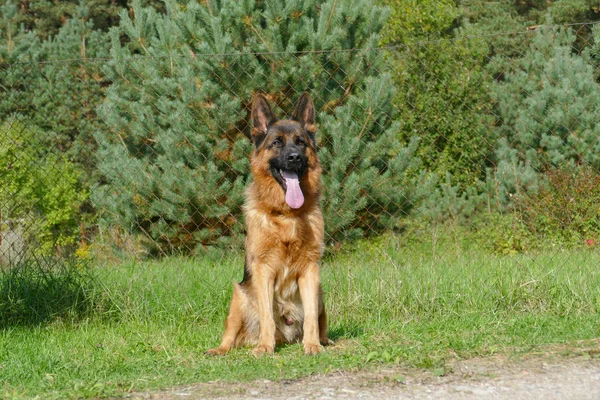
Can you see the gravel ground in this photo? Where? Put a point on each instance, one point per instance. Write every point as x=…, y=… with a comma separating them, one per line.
x=535, y=377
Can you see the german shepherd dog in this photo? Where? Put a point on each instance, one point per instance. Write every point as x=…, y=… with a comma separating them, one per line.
x=280, y=299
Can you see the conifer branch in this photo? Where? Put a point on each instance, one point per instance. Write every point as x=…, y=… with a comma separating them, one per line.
x=330, y=16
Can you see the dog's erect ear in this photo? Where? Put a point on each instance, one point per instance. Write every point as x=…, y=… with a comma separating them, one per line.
x=262, y=118
x=305, y=113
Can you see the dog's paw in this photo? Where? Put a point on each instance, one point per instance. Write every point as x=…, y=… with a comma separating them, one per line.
x=263, y=349
x=217, y=351
x=327, y=342
x=313, y=348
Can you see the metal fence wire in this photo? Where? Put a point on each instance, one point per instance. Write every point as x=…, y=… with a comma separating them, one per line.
x=148, y=156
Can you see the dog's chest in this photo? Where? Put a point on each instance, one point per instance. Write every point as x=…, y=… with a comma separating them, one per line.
x=289, y=231
x=296, y=238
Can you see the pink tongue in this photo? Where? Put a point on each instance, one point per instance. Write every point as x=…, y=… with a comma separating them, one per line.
x=293, y=195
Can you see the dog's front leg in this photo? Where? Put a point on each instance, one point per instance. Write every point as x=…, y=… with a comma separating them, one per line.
x=309, y=283
x=263, y=282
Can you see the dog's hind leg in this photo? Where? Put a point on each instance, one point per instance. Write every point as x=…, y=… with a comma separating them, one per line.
x=233, y=324
x=323, y=326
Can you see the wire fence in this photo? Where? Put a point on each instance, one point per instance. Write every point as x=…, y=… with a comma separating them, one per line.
x=148, y=156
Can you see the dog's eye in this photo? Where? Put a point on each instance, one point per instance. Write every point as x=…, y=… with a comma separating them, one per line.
x=276, y=143
x=300, y=141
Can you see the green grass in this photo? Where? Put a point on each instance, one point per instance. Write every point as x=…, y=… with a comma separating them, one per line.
x=388, y=302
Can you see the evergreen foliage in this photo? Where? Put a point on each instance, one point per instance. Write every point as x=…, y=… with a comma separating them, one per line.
x=489, y=17
x=547, y=107
x=175, y=157
x=161, y=127
x=45, y=18
x=532, y=106
x=60, y=98
x=372, y=180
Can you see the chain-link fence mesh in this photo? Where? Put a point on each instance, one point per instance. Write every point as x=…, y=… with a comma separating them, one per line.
x=148, y=156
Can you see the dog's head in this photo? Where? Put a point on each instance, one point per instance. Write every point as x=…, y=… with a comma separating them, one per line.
x=287, y=146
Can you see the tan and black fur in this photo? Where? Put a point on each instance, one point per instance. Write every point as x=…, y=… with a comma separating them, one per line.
x=280, y=299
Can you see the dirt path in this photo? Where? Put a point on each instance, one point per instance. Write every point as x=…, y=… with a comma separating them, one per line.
x=536, y=377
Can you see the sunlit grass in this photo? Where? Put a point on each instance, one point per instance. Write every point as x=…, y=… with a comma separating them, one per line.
x=387, y=301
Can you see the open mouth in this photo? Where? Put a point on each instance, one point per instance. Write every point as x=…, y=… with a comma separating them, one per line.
x=290, y=182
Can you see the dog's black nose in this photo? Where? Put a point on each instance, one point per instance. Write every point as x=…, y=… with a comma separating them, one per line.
x=293, y=158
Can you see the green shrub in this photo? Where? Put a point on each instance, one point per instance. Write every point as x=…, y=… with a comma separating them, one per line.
x=443, y=99
x=442, y=94
x=504, y=233
x=417, y=19
x=40, y=189
x=566, y=209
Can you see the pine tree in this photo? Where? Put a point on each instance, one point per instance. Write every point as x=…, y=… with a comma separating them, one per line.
x=46, y=17
x=547, y=107
x=175, y=158
x=55, y=84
